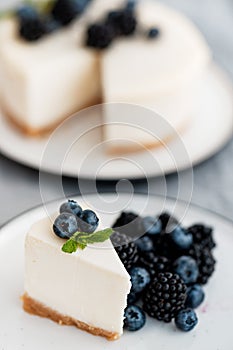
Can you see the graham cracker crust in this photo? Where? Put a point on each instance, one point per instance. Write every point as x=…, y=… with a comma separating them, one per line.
x=121, y=150
x=34, y=307
x=40, y=132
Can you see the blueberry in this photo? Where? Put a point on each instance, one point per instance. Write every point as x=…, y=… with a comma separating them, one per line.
x=186, y=267
x=89, y=221
x=135, y=318
x=153, y=33
x=144, y=244
x=151, y=225
x=26, y=12
x=71, y=207
x=132, y=298
x=186, y=320
x=65, y=225
x=65, y=11
x=131, y=4
x=31, y=24
x=51, y=25
x=140, y=278
x=195, y=296
x=181, y=238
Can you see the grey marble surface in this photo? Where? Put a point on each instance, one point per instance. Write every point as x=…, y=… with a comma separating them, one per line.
x=213, y=180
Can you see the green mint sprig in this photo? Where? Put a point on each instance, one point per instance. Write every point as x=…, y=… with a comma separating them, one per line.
x=80, y=240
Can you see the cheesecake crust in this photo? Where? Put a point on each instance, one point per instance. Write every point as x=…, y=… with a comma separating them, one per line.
x=40, y=132
x=34, y=307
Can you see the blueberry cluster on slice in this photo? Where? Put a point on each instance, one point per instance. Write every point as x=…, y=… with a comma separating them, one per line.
x=169, y=265
x=117, y=23
x=33, y=25
x=74, y=219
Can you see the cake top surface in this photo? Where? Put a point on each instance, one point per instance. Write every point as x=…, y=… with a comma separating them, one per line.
x=100, y=255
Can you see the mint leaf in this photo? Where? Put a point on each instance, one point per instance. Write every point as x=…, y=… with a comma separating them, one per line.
x=70, y=246
x=99, y=237
x=80, y=240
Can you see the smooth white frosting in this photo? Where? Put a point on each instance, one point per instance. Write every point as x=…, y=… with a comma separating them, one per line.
x=91, y=285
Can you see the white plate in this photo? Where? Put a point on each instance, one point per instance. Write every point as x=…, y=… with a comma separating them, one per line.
x=19, y=330
x=211, y=128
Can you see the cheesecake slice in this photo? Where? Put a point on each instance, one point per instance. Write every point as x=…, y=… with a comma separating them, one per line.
x=87, y=289
x=43, y=83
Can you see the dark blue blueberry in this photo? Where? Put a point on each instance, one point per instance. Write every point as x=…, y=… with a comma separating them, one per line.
x=51, y=25
x=71, y=207
x=131, y=4
x=153, y=33
x=26, y=12
x=144, y=244
x=135, y=318
x=186, y=267
x=88, y=221
x=151, y=225
x=132, y=298
x=65, y=225
x=181, y=238
x=65, y=11
x=186, y=320
x=31, y=24
x=140, y=278
x=195, y=296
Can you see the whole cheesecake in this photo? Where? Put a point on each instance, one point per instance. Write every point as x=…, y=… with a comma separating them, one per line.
x=46, y=81
x=87, y=289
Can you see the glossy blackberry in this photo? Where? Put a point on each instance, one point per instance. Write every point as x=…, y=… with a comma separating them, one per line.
x=99, y=36
x=202, y=235
x=165, y=297
x=154, y=264
x=166, y=218
x=130, y=224
x=126, y=250
x=65, y=11
x=206, y=265
x=123, y=22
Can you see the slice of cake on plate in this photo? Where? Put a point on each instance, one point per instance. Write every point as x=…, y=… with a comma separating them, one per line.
x=87, y=288
x=144, y=54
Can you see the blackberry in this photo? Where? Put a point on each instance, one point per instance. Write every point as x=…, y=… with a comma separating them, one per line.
x=123, y=22
x=126, y=250
x=99, y=36
x=202, y=235
x=165, y=297
x=130, y=224
x=206, y=265
x=65, y=11
x=153, y=263
x=167, y=219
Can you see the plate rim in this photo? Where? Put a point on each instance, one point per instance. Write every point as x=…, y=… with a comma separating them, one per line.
x=221, y=75
x=109, y=192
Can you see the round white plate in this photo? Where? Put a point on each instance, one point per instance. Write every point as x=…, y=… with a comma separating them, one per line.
x=22, y=331
x=211, y=128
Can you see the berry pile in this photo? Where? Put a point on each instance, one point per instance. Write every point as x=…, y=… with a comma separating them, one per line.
x=118, y=23
x=33, y=25
x=168, y=265
x=73, y=219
